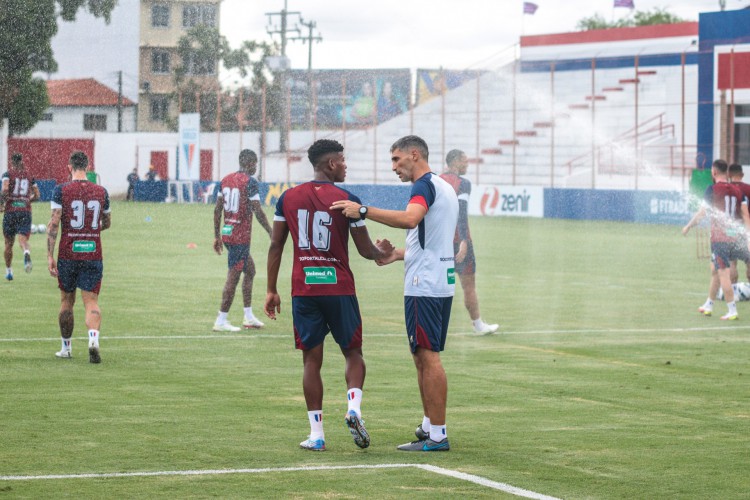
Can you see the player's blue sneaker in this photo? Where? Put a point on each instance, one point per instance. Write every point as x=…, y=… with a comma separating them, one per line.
x=313, y=445
x=357, y=428
x=27, y=262
x=425, y=445
x=9, y=275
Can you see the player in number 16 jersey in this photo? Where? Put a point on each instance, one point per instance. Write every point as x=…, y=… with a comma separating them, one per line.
x=323, y=294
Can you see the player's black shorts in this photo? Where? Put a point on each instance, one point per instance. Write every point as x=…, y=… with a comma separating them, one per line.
x=83, y=274
x=723, y=252
x=16, y=223
x=237, y=256
x=315, y=316
x=427, y=321
x=469, y=264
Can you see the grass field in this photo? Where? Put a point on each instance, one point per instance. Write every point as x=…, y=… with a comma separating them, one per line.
x=604, y=383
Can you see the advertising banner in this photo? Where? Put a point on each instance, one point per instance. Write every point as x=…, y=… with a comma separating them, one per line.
x=517, y=201
x=189, y=147
x=351, y=98
x=663, y=207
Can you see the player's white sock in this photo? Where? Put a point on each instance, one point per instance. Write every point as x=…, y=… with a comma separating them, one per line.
x=354, y=399
x=93, y=338
x=732, y=306
x=222, y=318
x=66, y=344
x=249, y=313
x=26, y=252
x=8, y=270
x=437, y=432
x=316, y=424
x=477, y=323
x=709, y=304
x=426, y=424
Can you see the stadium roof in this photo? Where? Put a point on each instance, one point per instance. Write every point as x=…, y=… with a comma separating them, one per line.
x=82, y=92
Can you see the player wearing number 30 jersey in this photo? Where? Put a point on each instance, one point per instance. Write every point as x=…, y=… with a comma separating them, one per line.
x=80, y=211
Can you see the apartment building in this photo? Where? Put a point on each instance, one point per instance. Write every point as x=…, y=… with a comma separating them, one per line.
x=136, y=53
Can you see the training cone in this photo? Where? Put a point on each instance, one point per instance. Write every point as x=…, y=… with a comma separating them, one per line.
x=192, y=245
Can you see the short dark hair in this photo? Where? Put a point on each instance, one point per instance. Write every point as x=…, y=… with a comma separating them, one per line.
x=79, y=160
x=453, y=155
x=412, y=141
x=322, y=147
x=248, y=156
x=16, y=158
x=735, y=168
x=720, y=165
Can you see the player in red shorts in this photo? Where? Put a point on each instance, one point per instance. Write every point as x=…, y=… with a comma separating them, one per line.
x=466, y=264
x=80, y=212
x=323, y=294
x=238, y=199
x=18, y=191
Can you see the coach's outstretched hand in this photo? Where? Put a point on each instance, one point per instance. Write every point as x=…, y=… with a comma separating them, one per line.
x=396, y=254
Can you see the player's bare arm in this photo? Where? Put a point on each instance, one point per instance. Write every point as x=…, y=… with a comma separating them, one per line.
x=218, y=211
x=280, y=232
x=257, y=209
x=52, y=229
x=402, y=219
x=695, y=220
x=3, y=193
x=106, y=221
x=367, y=248
x=34, y=195
x=463, y=249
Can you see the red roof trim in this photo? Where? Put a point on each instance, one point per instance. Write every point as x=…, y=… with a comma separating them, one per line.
x=82, y=92
x=613, y=35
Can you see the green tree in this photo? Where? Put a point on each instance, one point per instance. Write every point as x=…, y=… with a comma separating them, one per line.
x=201, y=51
x=26, y=31
x=641, y=18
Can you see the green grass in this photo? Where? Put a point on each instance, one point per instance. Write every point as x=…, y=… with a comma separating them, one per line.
x=604, y=383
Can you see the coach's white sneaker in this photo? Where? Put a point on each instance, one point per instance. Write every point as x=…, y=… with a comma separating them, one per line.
x=226, y=327
x=64, y=353
x=252, y=323
x=485, y=328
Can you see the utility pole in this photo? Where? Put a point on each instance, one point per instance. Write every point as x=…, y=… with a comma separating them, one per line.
x=119, y=101
x=310, y=25
x=282, y=30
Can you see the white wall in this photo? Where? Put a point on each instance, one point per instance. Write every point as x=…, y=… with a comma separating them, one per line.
x=67, y=122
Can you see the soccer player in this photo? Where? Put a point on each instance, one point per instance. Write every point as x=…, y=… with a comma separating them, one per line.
x=725, y=205
x=80, y=212
x=18, y=191
x=466, y=264
x=735, y=177
x=238, y=199
x=323, y=293
x=430, y=219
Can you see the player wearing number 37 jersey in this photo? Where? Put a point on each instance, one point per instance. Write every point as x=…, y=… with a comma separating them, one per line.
x=80, y=212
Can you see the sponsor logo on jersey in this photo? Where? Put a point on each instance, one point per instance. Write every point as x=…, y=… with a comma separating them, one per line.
x=84, y=246
x=320, y=275
x=227, y=230
x=451, y=276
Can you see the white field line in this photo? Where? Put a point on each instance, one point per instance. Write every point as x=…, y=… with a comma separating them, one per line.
x=429, y=468
x=257, y=335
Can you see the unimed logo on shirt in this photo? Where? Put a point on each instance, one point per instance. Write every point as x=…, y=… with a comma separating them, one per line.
x=320, y=275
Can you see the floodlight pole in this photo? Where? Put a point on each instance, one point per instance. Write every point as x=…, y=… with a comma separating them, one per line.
x=309, y=39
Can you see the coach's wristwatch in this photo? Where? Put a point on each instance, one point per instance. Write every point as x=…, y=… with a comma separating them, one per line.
x=362, y=212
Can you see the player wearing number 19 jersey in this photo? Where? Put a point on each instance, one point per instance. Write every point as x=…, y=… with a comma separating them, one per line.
x=80, y=212
x=323, y=291
x=18, y=191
